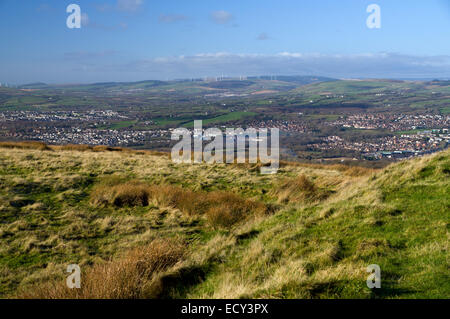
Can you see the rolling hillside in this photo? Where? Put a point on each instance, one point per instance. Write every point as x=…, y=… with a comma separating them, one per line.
x=140, y=226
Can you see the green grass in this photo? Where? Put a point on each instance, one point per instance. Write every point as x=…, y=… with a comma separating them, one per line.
x=232, y=116
x=352, y=86
x=405, y=233
x=327, y=117
x=165, y=121
x=119, y=125
x=305, y=247
x=410, y=131
x=445, y=110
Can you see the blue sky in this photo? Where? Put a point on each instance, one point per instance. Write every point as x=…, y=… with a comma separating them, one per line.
x=132, y=40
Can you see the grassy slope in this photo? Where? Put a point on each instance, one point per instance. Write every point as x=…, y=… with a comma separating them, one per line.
x=313, y=247
x=397, y=219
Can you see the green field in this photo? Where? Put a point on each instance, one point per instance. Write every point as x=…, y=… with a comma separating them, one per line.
x=445, y=110
x=232, y=116
x=118, y=125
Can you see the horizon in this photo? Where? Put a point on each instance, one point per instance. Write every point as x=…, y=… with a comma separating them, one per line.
x=256, y=77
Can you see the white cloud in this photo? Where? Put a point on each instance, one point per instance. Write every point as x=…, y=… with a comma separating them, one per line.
x=171, y=18
x=88, y=55
x=221, y=17
x=129, y=5
x=92, y=66
x=389, y=65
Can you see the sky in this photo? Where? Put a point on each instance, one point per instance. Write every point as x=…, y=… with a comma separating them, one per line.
x=135, y=40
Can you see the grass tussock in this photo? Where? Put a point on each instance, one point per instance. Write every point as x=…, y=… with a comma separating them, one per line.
x=299, y=189
x=127, y=194
x=221, y=208
x=134, y=276
x=226, y=209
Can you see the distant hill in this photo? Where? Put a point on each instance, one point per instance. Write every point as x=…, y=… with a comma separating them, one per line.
x=37, y=85
x=230, y=84
x=440, y=82
x=297, y=79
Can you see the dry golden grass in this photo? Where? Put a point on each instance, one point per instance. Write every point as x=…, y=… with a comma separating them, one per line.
x=134, y=276
x=126, y=194
x=354, y=171
x=298, y=189
x=29, y=145
x=226, y=209
x=357, y=171
x=221, y=208
x=34, y=145
x=173, y=196
x=73, y=147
